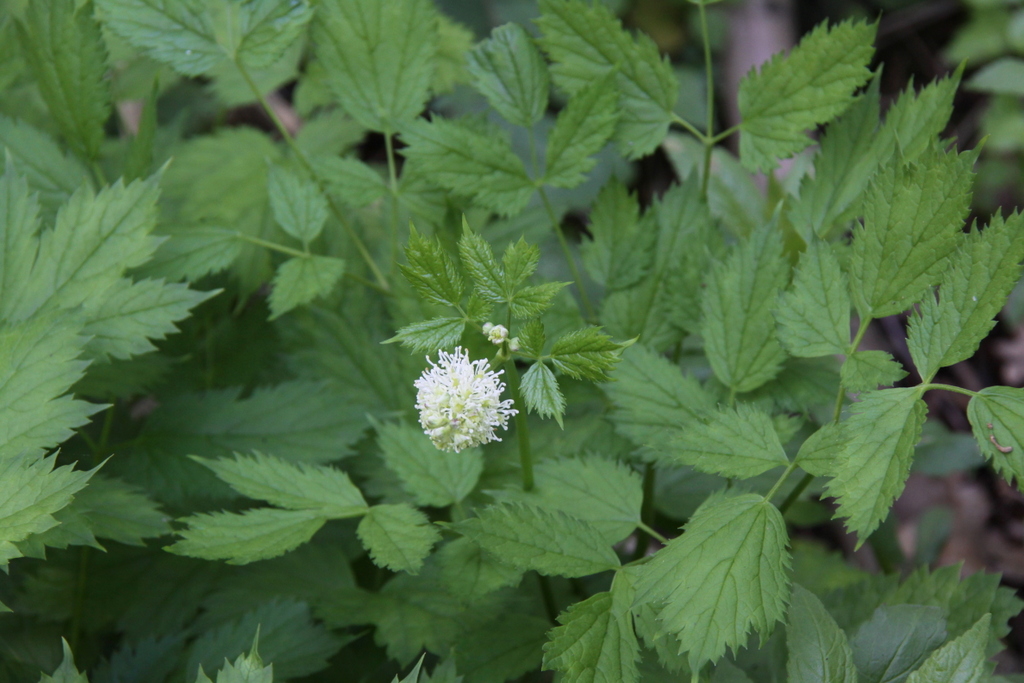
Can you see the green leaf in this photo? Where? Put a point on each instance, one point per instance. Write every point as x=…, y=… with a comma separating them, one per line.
x=19, y=223
x=736, y=544
x=532, y=338
x=478, y=260
x=866, y=370
x=38, y=365
x=299, y=421
x=1001, y=77
x=110, y=508
x=193, y=37
x=622, y=249
x=818, y=649
x=895, y=641
x=915, y=119
x=973, y=290
x=469, y=163
x=48, y=171
x=62, y=44
x=431, y=335
x=913, y=219
x=130, y=314
x=849, y=156
x=300, y=280
x=66, y=672
x=581, y=130
x=287, y=635
x=431, y=271
x=298, y=205
x=595, y=641
x=814, y=313
x=295, y=486
x=960, y=661
x=653, y=398
x=549, y=542
x=414, y=675
x=505, y=648
x=997, y=419
x=510, y=72
x=530, y=302
x=397, y=537
x=738, y=327
x=880, y=436
x=518, y=263
x=587, y=43
x=379, y=56
x=541, y=392
x=820, y=453
x=586, y=354
x=792, y=93
x=351, y=180
x=434, y=478
x=95, y=239
x=596, y=489
x=33, y=491
x=469, y=571
x=192, y=252
x=732, y=442
x=257, y=534
x=138, y=162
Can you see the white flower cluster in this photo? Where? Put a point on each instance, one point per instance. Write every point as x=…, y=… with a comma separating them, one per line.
x=460, y=401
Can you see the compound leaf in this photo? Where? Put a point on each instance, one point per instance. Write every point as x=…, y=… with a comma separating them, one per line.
x=581, y=130
x=811, y=85
x=959, y=661
x=541, y=393
x=32, y=491
x=814, y=313
x=295, y=486
x=587, y=43
x=299, y=280
x=866, y=370
x=297, y=203
x=818, y=649
x=431, y=271
x=973, y=290
x=510, y=72
x=736, y=544
x=997, y=419
x=469, y=163
x=549, y=542
x=398, y=536
x=586, y=354
x=733, y=442
x=738, y=327
x=880, y=436
x=435, y=478
x=64, y=48
x=257, y=534
x=912, y=222
x=431, y=335
x=595, y=641
x=379, y=56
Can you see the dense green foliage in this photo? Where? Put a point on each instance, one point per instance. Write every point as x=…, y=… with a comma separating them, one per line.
x=210, y=462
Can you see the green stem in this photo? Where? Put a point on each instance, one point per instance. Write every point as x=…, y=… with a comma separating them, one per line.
x=651, y=532
x=646, y=511
x=724, y=134
x=304, y=160
x=273, y=246
x=548, y=596
x=676, y=118
x=79, y=604
x=948, y=387
x=782, y=479
x=795, y=493
x=522, y=430
x=588, y=309
x=393, y=184
x=97, y=171
x=710, y=85
x=841, y=394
